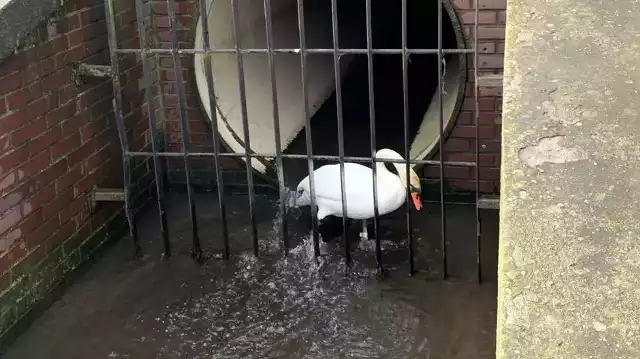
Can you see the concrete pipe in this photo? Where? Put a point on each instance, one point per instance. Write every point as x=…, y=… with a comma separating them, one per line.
x=422, y=30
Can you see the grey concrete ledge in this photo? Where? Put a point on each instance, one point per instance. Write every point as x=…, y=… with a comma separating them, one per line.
x=569, y=261
x=18, y=19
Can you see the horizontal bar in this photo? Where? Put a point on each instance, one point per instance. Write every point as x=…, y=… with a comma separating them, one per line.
x=492, y=80
x=297, y=51
x=108, y=195
x=83, y=69
x=293, y=156
x=489, y=202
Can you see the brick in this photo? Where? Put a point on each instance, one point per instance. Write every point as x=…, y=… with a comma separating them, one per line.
x=88, y=182
x=56, y=80
x=492, y=4
x=487, y=47
x=10, y=83
x=490, y=91
x=51, y=209
x=12, y=121
x=458, y=145
x=470, y=131
x=489, y=173
x=86, y=33
x=65, y=58
x=8, y=201
x=72, y=209
x=502, y=17
x=73, y=124
x=449, y=172
x=462, y=4
x=38, y=107
x=23, y=96
x=491, y=61
x=484, y=17
x=66, y=146
x=13, y=159
x=10, y=238
x=491, y=32
x=39, y=199
x=484, y=159
x=485, y=186
x=7, y=181
x=64, y=232
x=9, y=219
x=36, y=164
x=90, y=130
x=67, y=180
x=49, y=175
x=54, y=46
x=88, y=16
x=3, y=106
x=45, y=140
x=485, y=104
x=490, y=146
x=500, y=47
x=61, y=114
x=29, y=131
x=82, y=152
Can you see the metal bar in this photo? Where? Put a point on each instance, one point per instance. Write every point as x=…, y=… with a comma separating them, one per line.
x=276, y=125
x=309, y=156
x=336, y=71
x=477, y=134
x=299, y=50
x=405, y=113
x=488, y=202
x=443, y=228
x=122, y=131
x=372, y=135
x=184, y=130
x=304, y=157
x=154, y=132
x=235, y=19
x=208, y=72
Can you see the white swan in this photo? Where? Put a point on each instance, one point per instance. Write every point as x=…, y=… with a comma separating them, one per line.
x=391, y=192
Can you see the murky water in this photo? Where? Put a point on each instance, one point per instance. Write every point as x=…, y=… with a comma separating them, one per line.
x=271, y=307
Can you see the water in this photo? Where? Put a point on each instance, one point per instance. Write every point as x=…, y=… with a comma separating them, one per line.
x=268, y=307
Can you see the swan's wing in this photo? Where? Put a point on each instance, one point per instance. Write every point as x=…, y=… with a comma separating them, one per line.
x=358, y=182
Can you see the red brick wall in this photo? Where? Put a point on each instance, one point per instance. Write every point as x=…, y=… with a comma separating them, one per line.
x=460, y=145
x=58, y=141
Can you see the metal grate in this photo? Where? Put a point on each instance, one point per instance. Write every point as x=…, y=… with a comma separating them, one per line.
x=144, y=51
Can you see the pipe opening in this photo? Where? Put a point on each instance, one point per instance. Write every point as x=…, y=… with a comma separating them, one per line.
x=422, y=33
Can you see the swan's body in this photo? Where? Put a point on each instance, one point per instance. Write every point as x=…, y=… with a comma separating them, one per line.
x=391, y=191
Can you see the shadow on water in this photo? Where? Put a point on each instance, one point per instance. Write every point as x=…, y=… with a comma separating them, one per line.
x=274, y=306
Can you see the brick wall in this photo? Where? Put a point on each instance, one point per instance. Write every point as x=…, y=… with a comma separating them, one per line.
x=57, y=141
x=460, y=145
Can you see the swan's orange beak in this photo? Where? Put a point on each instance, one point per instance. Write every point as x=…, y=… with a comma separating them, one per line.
x=417, y=202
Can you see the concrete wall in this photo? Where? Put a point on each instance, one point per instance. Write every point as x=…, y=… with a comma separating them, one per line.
x=460, y=145
x=58, y=141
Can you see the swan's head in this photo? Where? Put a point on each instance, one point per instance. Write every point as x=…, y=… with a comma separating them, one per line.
x=302, y=195
x=414, y=181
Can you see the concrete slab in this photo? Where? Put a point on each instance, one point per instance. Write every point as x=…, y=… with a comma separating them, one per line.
x=569, y=267
x=18, y=18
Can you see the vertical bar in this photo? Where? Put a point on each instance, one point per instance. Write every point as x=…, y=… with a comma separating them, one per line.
x=235, y=19
x=196, y=251
x=405, y=111
x=222, y=209
x=476, y=118
x=153, y=129
x=336, y=70
x=308, y=138
x=276, y=124
x=372, y=135
x=443, y=229
x=122, y=131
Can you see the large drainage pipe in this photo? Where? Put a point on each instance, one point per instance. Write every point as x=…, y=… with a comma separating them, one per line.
x=386, y=22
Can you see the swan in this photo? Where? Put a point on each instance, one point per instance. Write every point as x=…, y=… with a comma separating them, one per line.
x=391, y=189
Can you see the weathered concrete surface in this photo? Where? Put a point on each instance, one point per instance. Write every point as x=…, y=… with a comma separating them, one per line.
x=569, y=261
x=18, y=18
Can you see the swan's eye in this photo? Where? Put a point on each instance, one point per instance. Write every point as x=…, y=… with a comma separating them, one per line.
x=415, y=189
x=300, y=191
